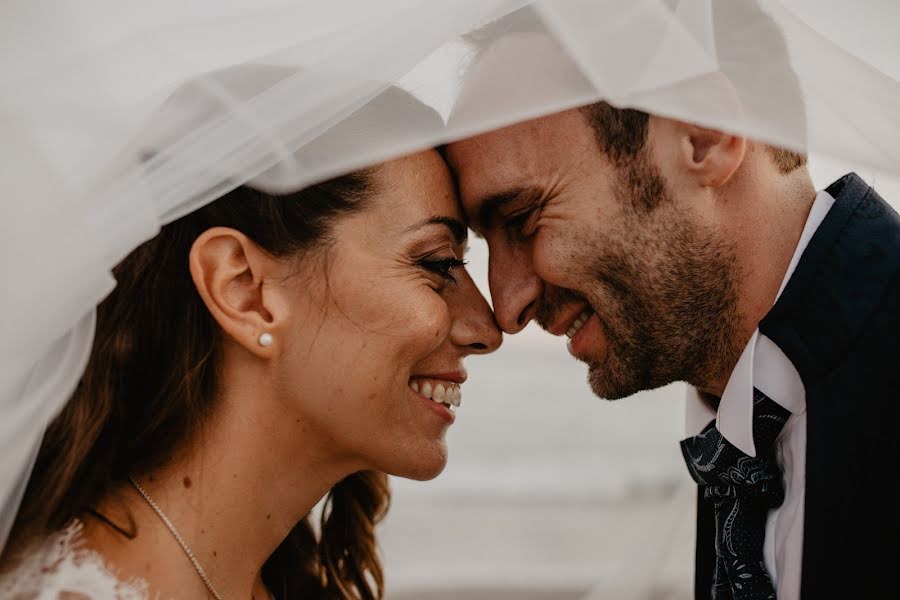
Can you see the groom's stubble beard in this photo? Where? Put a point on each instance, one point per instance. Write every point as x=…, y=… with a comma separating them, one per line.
x=663, y=287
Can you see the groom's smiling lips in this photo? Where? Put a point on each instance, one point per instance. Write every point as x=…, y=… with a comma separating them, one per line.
x=566, y=318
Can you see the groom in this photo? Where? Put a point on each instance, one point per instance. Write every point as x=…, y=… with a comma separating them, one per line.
x=671, y=252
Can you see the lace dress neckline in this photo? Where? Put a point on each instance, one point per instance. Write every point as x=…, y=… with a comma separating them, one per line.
x=61, y=568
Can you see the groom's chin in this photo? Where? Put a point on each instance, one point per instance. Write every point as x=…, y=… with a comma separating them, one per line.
x=607, y=385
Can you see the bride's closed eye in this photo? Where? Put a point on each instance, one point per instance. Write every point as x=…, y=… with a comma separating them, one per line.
x=442, y=266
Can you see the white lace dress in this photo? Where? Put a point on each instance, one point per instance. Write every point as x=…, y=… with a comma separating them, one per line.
x=60, y=568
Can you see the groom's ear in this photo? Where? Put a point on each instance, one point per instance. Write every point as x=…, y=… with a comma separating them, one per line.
x=708, y=156
x=712, y=156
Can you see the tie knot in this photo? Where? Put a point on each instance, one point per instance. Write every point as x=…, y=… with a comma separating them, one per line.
x=727, y=471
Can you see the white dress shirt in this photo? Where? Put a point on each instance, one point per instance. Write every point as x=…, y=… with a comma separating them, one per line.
x=763, y=365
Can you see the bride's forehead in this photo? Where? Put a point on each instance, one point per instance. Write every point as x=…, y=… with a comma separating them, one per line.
x=414, y=183
x=415, y=168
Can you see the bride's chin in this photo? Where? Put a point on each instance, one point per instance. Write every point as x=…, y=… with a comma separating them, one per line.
x=429, y=464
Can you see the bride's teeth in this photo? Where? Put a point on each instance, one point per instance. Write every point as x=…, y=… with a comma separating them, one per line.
x=447, y=393
x=456, y=397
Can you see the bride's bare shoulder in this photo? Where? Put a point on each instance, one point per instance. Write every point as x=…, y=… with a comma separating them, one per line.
x=63, y=567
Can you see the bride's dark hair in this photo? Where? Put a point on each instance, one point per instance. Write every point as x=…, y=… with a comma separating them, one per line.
x=152, y=378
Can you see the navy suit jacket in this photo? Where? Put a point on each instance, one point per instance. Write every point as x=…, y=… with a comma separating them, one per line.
x=838, y=321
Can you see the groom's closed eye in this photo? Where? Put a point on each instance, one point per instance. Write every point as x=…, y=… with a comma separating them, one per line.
x=521, y=223
x=516, y=203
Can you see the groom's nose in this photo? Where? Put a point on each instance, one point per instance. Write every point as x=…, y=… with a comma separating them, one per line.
x=515, y=287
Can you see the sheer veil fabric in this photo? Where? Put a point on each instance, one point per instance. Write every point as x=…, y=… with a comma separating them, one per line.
x=119, y=116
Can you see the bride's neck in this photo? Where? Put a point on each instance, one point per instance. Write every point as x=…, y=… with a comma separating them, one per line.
x=248, y=478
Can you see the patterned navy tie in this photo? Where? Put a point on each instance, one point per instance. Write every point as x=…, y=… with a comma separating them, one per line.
x=743, y=490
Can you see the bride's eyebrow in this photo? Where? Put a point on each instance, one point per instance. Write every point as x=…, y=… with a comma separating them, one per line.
x=457, y=228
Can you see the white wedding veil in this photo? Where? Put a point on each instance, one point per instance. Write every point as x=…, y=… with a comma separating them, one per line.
x=119, y=116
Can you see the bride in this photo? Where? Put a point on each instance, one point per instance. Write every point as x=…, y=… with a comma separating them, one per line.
x=257, y=355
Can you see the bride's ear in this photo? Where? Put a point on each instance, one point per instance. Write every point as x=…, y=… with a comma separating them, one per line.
x=232, y=275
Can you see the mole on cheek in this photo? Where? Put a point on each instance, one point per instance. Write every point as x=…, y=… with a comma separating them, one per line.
x=186, y=481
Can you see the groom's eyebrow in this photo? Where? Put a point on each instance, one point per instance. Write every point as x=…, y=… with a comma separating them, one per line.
x=493, y=204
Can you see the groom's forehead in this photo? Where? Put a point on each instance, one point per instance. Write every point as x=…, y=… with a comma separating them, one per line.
x=498, y=155
x=488, y=165
x=524, y=155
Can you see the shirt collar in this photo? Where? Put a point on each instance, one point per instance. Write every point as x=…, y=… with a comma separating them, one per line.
x=762, y=364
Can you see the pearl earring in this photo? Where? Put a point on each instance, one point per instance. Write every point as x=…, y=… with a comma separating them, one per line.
x=265, y=339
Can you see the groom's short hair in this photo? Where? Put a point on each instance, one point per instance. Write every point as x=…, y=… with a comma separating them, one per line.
x=622, y=132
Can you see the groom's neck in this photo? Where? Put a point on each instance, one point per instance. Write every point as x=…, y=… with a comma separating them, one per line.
x=765, y=216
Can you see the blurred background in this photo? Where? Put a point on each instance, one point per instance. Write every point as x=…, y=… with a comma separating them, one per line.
x=550, y=492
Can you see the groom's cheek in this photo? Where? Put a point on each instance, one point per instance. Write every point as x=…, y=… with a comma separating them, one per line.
x=503, y=276
x=553, y=258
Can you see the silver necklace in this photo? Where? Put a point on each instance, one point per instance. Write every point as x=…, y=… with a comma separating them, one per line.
x=178, y=538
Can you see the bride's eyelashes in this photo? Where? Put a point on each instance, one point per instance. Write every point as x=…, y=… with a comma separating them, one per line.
x=442, y=266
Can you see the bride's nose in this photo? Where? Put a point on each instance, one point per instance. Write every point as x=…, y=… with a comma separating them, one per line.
x=473, y=326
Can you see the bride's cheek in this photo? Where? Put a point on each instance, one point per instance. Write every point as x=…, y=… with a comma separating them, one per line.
x=432, y=321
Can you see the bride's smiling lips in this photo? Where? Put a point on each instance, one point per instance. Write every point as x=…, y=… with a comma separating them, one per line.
x=440, y=392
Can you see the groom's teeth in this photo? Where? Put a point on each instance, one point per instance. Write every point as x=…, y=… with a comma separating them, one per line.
x=439, y=394
x=579, y=323
x=414, y=386
x=426, y=389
